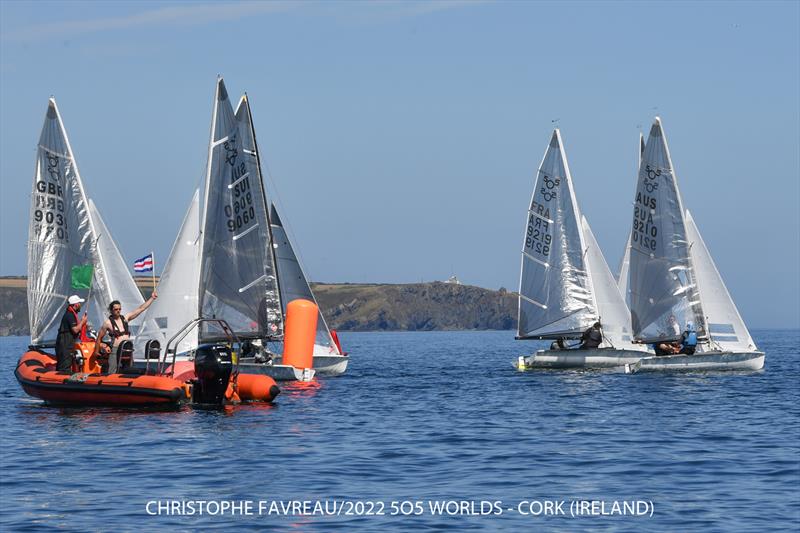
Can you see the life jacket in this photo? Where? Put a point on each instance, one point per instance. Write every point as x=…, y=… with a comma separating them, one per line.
x=689, y=338
x=83, y=335
x=115, y=332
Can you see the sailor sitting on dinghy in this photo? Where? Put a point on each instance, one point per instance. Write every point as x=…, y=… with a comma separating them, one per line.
x=117, y=328
x=592, y=337
x=689, y=339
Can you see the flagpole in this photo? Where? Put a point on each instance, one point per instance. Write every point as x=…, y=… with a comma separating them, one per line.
x=153, y=255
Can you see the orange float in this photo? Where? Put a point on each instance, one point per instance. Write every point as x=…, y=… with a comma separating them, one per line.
x=301, y=330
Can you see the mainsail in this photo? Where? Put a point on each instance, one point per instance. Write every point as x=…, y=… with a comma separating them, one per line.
x=60, y=234
x=177, y=288
x=238, y=282
x=112, y=275
x=556, y=297
x=663, y=290
x=726, y=329
x=294, y=284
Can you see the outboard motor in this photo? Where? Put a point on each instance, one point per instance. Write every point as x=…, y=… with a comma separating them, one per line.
x=213, y=364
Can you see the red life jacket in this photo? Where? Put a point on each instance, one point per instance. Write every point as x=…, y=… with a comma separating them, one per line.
x=84, y=337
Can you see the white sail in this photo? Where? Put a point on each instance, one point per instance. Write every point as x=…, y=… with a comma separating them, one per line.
x=556, y=297
x=661, y=280
x=60, y=233
x=726, y=329
x=112, y=274
x=612, y=311
x=294, y=284
x=176, y=304
x=622, y=278
x=238, y=282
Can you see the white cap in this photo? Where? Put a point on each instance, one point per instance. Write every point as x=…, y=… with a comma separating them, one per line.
x=75, y=299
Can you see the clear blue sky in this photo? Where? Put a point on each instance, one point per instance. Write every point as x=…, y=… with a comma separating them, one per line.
x=403, y=137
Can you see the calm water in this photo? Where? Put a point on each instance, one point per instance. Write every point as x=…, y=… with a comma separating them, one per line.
x=419, y=417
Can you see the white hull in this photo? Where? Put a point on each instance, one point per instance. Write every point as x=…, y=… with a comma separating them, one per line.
x=325, y=365
x=277, y=372
x=715, y=360
x=594, y=358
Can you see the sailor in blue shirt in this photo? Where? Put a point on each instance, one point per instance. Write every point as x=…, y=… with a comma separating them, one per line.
x=689, y=339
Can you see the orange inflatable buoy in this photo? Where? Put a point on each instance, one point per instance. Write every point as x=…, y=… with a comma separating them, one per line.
x=257, y=387
x=301, y=330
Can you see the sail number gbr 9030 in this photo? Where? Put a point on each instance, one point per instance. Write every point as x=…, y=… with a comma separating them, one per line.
x=49, y=218
x=241, y=212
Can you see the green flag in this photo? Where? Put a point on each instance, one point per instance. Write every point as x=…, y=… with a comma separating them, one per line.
x=82, y=276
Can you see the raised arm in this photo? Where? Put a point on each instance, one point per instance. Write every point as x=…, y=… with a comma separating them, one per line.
x=139, y=310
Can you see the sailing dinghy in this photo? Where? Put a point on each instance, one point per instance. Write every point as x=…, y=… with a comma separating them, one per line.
x=266, y=253
x=238, y=279
x=565, y=283
x=673, y=280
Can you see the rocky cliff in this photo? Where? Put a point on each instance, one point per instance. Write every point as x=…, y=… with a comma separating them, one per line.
x=355, y=307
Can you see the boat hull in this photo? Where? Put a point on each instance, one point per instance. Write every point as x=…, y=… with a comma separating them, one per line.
x=37, y=376
x=593, y=358
x=703, y=361
x=276, y=371
x=325, y=365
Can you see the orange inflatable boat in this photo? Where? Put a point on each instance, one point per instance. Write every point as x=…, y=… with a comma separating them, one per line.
x=36, y=373
x=214, y=381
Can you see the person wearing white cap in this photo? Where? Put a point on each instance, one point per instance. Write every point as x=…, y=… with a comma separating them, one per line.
x=69, y=332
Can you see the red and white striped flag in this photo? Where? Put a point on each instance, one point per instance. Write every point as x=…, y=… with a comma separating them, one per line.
x=145, y=264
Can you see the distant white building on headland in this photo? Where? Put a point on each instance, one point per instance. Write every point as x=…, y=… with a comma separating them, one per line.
x=453, y=280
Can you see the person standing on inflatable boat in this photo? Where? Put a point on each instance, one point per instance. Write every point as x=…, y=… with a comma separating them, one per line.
x=117, y=328
x=69, y=331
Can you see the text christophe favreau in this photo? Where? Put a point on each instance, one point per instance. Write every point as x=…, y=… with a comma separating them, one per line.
x=535, y=508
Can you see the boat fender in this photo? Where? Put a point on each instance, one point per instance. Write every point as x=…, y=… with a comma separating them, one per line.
x=257, y=387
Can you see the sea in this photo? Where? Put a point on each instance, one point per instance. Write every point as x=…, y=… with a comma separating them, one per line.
x=425, y=431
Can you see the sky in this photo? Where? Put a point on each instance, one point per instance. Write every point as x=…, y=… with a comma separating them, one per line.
x=402, y=138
